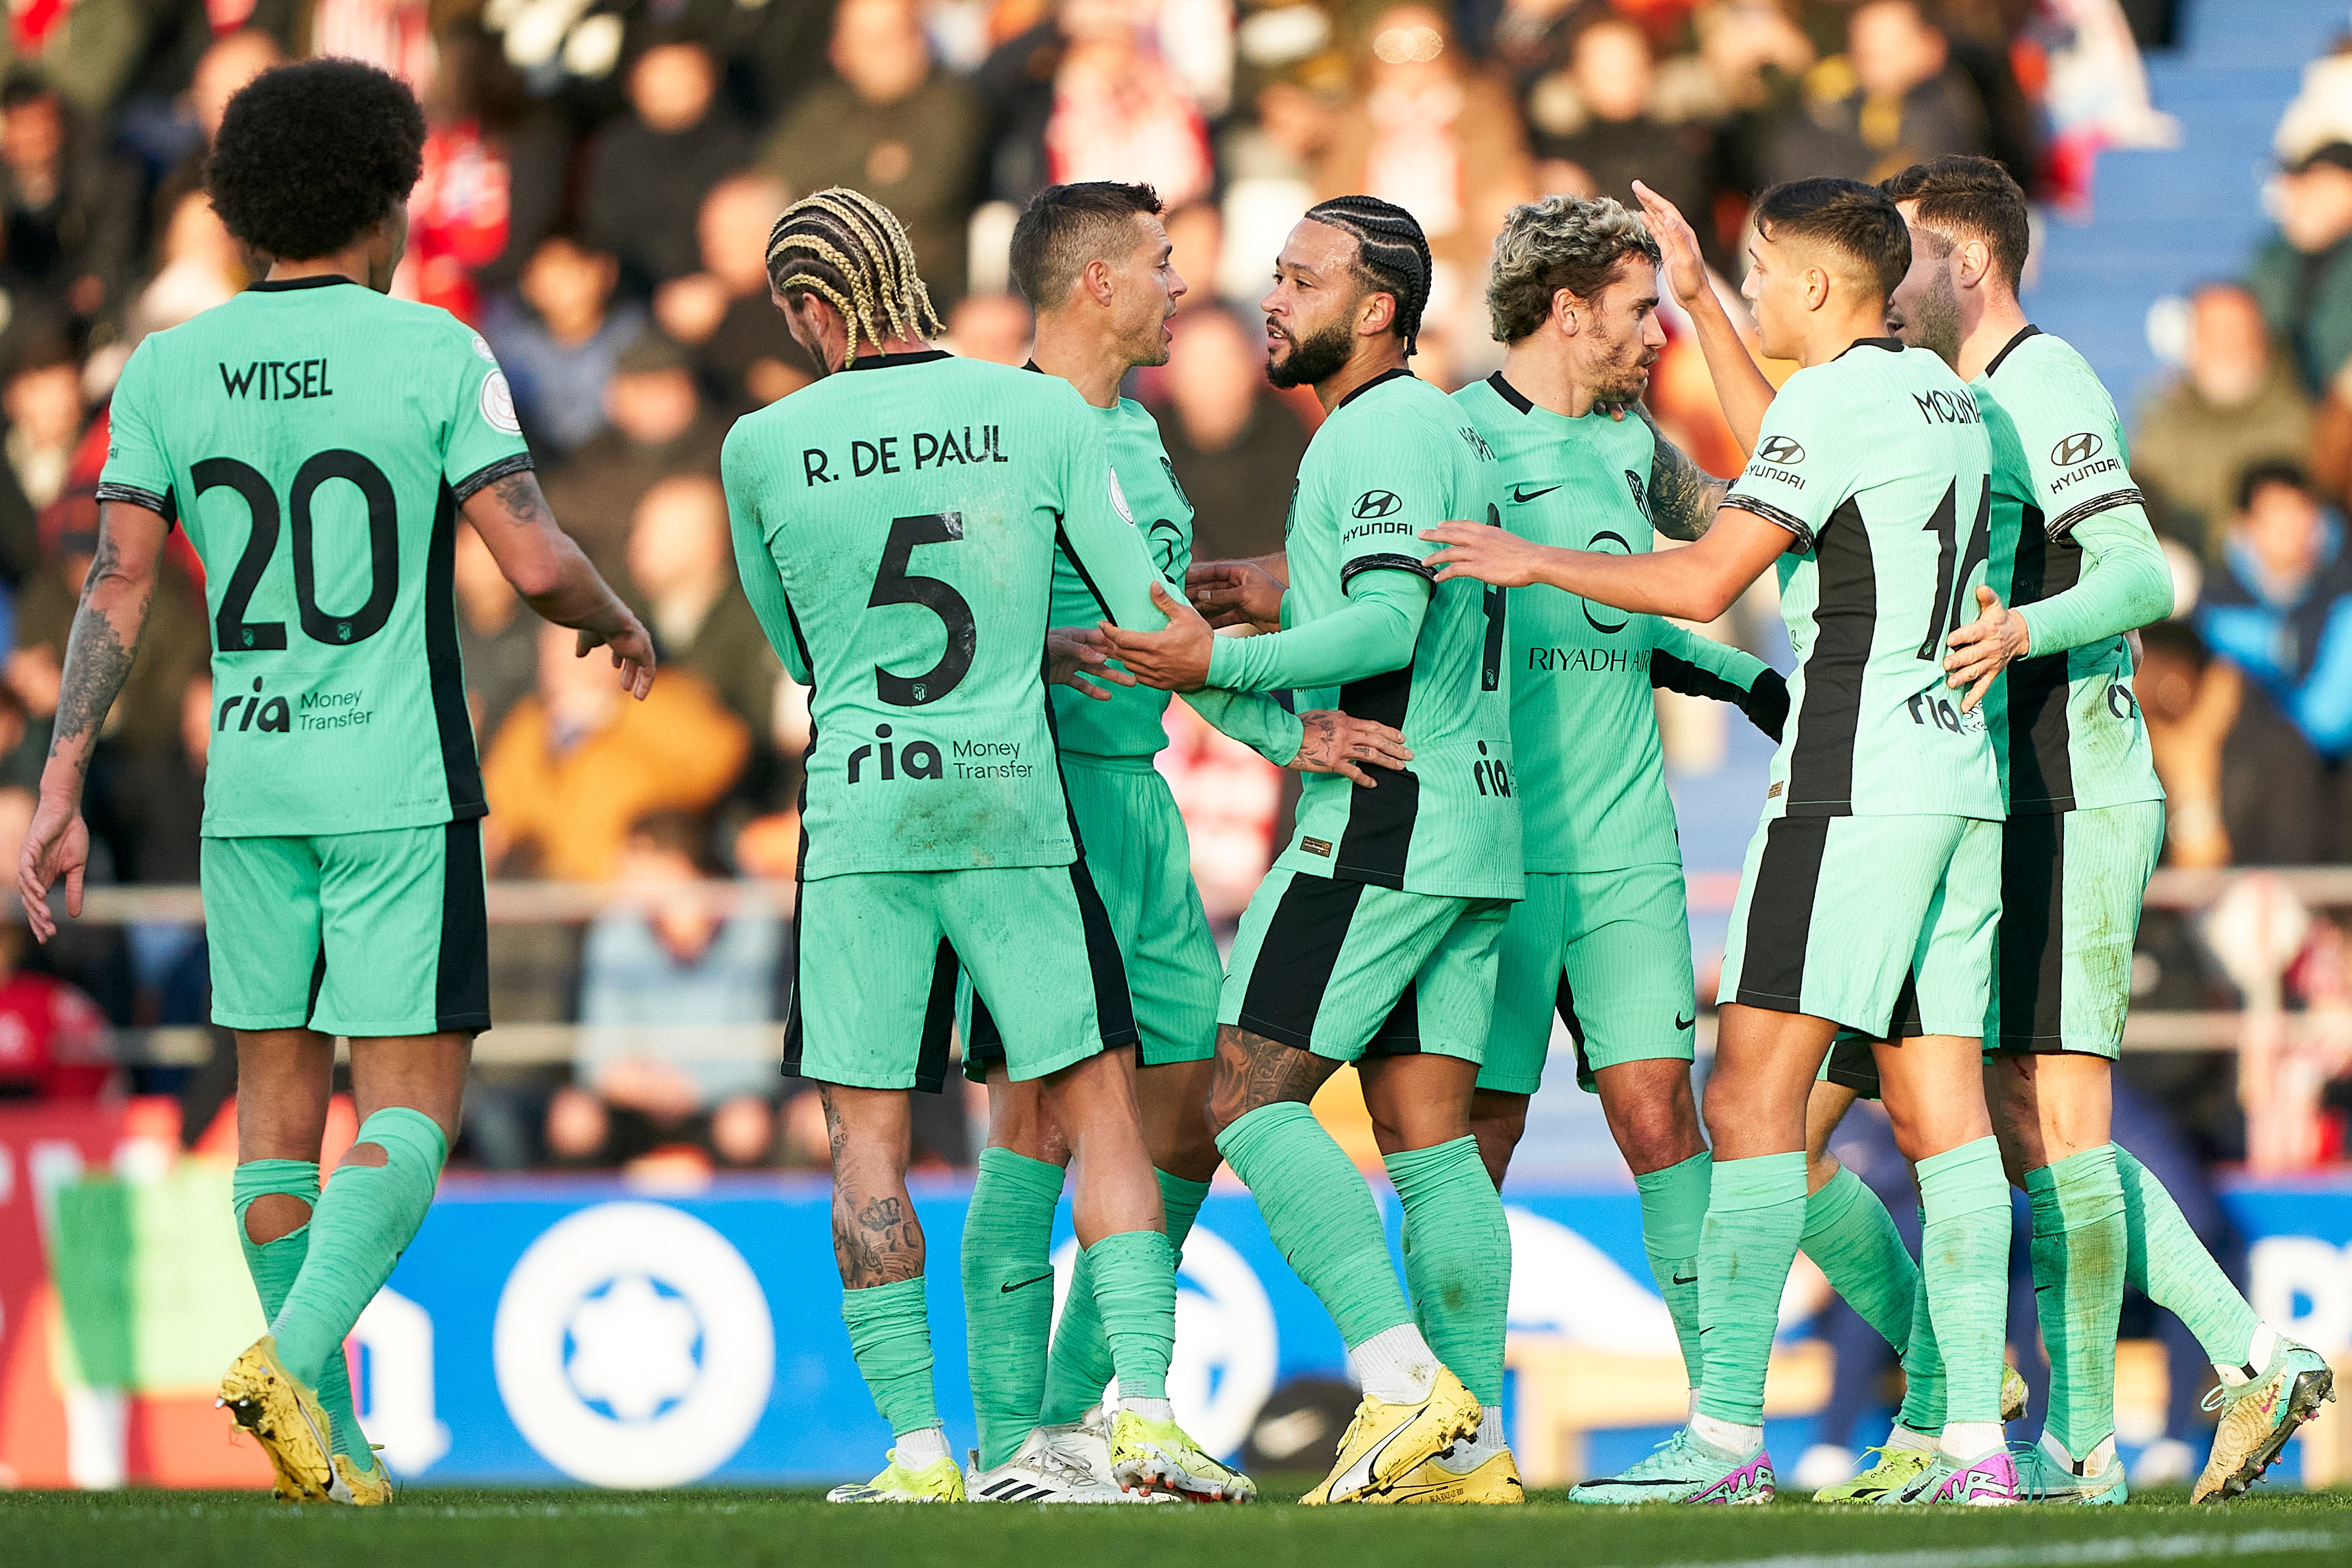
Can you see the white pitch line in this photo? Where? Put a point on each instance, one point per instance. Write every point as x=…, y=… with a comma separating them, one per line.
x=2122, y=1549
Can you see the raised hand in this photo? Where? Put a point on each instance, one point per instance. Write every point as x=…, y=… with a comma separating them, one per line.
x=1684, y=268
x=1341, y=743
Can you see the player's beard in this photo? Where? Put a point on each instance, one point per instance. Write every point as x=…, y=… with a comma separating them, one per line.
x=1932, y=319
x=1315, y=358
x=1626, y=376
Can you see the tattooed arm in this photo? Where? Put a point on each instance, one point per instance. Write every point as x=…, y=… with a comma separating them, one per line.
x=1683, y=495
x=555, y=578
x=99, y=652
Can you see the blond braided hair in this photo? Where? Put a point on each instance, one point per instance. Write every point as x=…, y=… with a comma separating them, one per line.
x=853, y=253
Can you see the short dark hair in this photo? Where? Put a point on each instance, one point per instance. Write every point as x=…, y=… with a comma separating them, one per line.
x=1854, y=219
x=2271, y=471
x=310, y=155
x=1392, y=255
x=1066, y=227
x=1973, y=198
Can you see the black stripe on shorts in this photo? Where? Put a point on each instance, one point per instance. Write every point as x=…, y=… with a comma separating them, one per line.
x=2031, y=971
x=1853, y=1064
x=1399, y=1033
x=938, y=1021
x=1297, y=957
x=1114, y=1006
x=1781, y=913
x=1563, y=1002
x=461, y=987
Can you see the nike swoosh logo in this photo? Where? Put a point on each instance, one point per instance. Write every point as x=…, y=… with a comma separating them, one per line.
x=1680, y=1280
x=1690, y=1022
x=1358, y=1475
x=1522, y=494
x=1008, y=1289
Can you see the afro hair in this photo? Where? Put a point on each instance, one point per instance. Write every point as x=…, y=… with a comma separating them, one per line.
x=311, y=154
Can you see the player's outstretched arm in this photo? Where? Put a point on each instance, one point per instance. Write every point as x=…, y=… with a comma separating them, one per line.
x=1739, y=385
x=1697, y=666
x=1696, y=583
x=1373, y=635
x=1683, y=495
x=555, y=579
x=2124, y=585
x=99, y=652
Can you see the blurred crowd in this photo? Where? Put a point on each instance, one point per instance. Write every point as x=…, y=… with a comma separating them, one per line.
x=598, y=184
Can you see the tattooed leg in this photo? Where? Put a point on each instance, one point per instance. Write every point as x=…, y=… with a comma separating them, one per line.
x=1254, y=1071
x=876, y=1239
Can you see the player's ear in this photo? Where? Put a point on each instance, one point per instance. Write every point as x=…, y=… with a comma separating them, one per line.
x=1095, y=280
x=1563, y=311
x=1817, y=287
x=1976, y=260
x=1376, y=314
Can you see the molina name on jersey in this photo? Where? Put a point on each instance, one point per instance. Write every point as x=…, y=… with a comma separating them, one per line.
x=316, y=439
x=1877, y=464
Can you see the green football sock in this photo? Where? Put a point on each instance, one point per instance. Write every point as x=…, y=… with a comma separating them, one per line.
x=890, y=1336
x=1457, y=1259
x=1674, y=1214
x=2079, y=1245
x=1923, y=1362
x=1079, y=1369
x=1320, y=1215
x=1135, y=1292
x=1008, y=1295
x=1964, y=1240
x=2171, y=1267
x=274, y=1265
x=1851, y=1236
x=363, y=1223
x=1754, y=1212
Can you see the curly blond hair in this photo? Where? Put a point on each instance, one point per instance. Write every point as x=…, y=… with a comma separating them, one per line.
x=1559, y=242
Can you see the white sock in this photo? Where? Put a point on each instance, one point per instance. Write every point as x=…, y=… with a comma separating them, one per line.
x=2259, y=1352
x=1968, y=1441
x=2101, y=1456
x=1467, y=1456
x=1690, y=1410
x=1395, y=1366
x=1903, y=1440
x=916, y=1450
x=1728, y=1436
x=1150, y=1409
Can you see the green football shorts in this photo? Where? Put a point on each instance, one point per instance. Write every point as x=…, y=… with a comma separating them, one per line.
x=1609, y=953
x=2071, y=886
x=367, y=935
x=1347, y=970
x=1884, y=924
x=1142, y=861
x=875, y=963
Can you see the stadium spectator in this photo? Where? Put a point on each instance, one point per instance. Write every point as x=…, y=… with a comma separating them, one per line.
x=1083, y=95
x=657, y=427
x=1430, y=130
x=1620, y=139
x=41, y=400
x=893, y=124
x=2234, y=403
x=198, y=265
x=743, y=352
x=2241, y=784
x=459, y=213
x=2281, y=609
x=651, y=169
x=52, y=1036
x=69, y=212
x=559, y=337
x=2303, y=273
x=660, y=962
x=1893, y=99
x=993, y=327
x=498, y=642
x=576, y=762
x=227, y=64
x=682, y=564
x=1235, y=445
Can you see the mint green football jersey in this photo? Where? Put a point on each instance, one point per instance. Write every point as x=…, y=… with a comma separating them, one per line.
x=896, y=526
x=1398, y=456
x=1877, y=464
x=2066, y=726
x=1586, y=754
x=316, y=439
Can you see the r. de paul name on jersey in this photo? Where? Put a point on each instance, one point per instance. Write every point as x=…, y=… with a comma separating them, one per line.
x=894, y=454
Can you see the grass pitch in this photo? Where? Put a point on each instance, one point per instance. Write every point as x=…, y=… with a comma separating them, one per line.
x=442, y=1529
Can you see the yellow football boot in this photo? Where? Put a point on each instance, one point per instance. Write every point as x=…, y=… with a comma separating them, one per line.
x=2013, y=1394
x=1883, y=1481
x=359, y=1489
x=1493, y=1483
x=284, y=1417
x=2258, y=1417
x=1386, y=1442
x=942, y=1481
x=1160, y=1456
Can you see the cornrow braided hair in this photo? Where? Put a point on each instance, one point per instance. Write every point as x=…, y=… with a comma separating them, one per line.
x=853, y=253
x=1391, y=251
